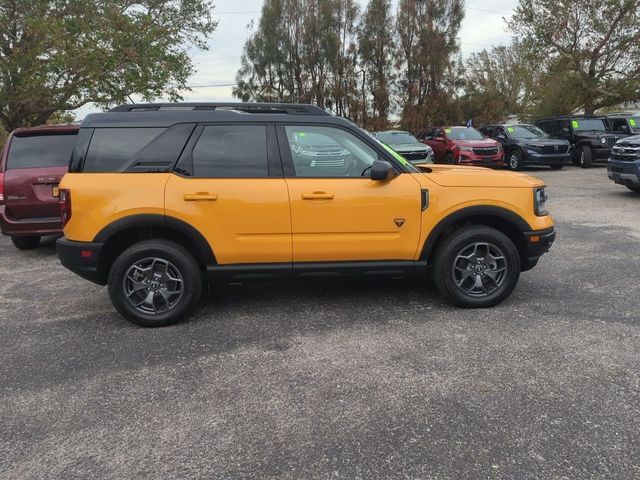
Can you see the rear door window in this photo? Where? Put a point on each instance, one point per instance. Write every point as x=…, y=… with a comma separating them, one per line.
x=112, y=148
x=34, y=151
x=231, y=151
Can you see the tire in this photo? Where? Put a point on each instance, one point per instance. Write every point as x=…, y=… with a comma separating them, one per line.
x=515, y=160
x=633, y=189
x=556, y=167
x=449, y=159
x=586, y=157
x=457, y=283
x=26, y=243
x=166, y=294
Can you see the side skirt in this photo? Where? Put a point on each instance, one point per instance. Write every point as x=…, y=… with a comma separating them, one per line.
x=288, y=271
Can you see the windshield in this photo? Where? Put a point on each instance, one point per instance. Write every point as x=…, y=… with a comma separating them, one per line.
x=396, y=138
x=525, y=131
x=463, y=133
x=594, y=124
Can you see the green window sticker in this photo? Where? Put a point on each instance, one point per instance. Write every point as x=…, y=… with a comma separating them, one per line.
x=301, y=134
x=632, y=122
x=395, y=154
x=448, y=130
x=511, y=129
x=575, y=124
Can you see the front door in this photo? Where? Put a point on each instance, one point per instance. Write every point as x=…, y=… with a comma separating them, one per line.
x=337, y=212
x=231, y=189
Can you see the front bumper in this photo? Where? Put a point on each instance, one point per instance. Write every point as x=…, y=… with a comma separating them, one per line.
x=601, y=153
x=83, y=259
x=538, y=243
x=28, y=226
x=624, y=172
x=496, y=161
x=534, y=158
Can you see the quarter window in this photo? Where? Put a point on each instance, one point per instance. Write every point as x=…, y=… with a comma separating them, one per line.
x=112, y=148
x=328, y=152
x=41, y=151
x=231, y=151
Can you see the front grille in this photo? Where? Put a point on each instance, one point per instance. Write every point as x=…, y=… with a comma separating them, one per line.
x=486, y=151
x=328, y=161
x=625, y=154
x=415, y=155
x=611, y=141
x=555, y=149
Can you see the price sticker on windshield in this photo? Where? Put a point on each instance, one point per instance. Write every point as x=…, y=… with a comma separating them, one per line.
x=575, y=124
x=448, y=130
x=632, y=122
x=511, y=129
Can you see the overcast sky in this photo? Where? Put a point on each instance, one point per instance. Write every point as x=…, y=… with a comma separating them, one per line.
x=483, y=27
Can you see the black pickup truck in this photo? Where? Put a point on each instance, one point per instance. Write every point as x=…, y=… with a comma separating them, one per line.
x=590, y=137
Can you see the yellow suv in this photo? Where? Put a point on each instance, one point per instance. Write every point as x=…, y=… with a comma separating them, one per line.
x=162, y=198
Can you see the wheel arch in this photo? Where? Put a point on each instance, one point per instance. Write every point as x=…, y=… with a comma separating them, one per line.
x=121, y=234
x=506, y=221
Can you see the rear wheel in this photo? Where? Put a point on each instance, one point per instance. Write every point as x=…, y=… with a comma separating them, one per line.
x=476, y=267
x=586, y=157
x=155, y=283
x=633, y=189
x=26, y=243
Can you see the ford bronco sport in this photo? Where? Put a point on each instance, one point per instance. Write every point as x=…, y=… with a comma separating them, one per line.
x=161, y=198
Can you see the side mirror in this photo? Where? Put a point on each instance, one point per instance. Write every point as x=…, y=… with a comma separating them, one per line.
x=382, y=170
x=501, y=138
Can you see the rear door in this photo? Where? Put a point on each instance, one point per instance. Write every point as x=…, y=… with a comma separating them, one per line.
x=229, y=186
x=34, y=166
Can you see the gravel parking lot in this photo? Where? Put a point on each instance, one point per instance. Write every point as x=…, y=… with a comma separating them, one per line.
x=373, y=380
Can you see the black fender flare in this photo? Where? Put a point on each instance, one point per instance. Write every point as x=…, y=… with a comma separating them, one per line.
x=469, y=213
x=204, y=251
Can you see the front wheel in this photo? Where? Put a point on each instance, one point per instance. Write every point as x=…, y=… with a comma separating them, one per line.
x=476, y=267
x=155, y=283
x=586, y=157
x=26, y=243
x=515, y=160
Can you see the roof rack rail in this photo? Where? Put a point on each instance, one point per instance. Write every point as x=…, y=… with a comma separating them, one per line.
x=247, y=107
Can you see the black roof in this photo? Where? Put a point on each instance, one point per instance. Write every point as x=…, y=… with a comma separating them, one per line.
x=568, y=117
x=167, y=114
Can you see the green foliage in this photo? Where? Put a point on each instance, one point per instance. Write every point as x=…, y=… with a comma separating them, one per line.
x=591, y=47
x=57, y=55
x=428, y=38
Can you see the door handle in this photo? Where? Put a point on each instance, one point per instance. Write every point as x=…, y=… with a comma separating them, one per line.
x=200, y=197
x=317, y=196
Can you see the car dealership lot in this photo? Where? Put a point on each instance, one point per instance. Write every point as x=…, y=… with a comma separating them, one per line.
x=360, y=380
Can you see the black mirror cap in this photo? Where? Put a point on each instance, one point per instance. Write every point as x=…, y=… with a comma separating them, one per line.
x=382, y=170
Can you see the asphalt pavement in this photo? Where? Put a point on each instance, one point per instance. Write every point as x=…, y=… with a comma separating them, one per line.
x=324, y=380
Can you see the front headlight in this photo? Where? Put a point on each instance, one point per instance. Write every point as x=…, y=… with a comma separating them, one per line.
x=430, y=156
x=466, y=149
x=540, y=201
x=603, y=140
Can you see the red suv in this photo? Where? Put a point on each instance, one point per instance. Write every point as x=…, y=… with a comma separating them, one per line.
x=32, y=163
x=462, y=145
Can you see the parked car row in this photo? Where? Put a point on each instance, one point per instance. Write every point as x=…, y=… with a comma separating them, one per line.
x=161, y=199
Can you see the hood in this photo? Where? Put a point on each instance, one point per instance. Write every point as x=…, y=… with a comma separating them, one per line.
x=410, y=147
x=487, y=142
x=634, y=140
x=462, y=176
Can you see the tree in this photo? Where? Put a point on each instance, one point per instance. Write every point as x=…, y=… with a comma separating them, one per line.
x=428, y=40
x=596, y=43
x=57, y=55
x=376, y=49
